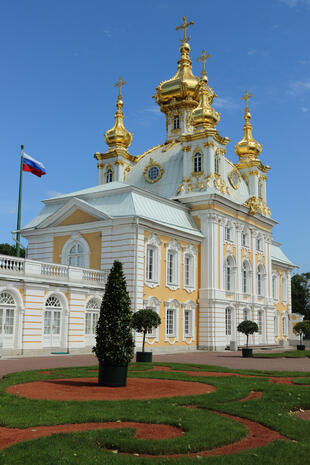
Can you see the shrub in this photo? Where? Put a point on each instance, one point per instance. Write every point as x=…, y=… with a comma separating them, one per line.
x=303, y=329
x=114, y=339
x=247, y=327
x=145, y=320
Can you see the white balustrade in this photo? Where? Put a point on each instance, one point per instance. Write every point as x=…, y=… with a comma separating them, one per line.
x=50, y=272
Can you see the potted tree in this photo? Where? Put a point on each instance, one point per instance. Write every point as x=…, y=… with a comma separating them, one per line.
x=114, y=340
x=143, y=321
x=303, y=329
x=247, y=327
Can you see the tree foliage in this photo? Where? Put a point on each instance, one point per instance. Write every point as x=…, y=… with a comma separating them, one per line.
x=8, y=249
x=301, y=294
x=303, y=329
x=145, y=320
x=114, y=339
x=247, y=327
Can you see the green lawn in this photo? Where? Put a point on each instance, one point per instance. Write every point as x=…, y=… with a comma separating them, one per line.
x=286, y=354
x=203, y=428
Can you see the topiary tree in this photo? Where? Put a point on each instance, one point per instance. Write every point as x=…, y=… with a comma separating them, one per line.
x=247, y=327
x=114, y=339
x=145, y=320
x=303, y=329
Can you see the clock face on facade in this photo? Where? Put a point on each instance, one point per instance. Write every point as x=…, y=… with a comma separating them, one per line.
x=235, y=178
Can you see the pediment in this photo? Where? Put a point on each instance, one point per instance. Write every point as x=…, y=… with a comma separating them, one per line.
x=75, y=211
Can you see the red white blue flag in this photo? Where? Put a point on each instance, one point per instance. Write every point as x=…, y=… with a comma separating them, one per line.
x=33, y=166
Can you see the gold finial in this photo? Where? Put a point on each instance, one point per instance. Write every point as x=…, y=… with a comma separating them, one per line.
x=203, y=59
x=184, y=26
x=246, y=97
x=118, y=136
x=119, y=84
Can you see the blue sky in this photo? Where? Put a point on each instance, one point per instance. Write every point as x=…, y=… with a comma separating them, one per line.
x=60, y=60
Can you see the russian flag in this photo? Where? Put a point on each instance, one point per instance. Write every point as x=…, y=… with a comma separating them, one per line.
x=33, y=166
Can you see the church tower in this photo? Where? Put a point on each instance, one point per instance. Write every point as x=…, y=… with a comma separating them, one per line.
x=178, y=96
x=114, y=164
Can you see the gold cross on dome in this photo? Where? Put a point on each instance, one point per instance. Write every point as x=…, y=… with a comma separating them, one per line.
x=203, y=59
x=184, y=26
x=246, y=97
x=119, y=84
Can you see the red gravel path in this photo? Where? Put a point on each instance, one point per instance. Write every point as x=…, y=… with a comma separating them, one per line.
x=88, y=389
x=10, y=436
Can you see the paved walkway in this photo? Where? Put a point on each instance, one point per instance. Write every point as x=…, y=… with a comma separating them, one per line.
x=224, y=359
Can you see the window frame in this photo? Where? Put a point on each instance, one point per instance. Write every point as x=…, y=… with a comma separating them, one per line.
x=152, y=242
x=197, y=162
x=189, y=252
x=229, y=274
x=260, y=281
x=75, y=239
x=173, y=256
x=176, y=121
x=172, y=306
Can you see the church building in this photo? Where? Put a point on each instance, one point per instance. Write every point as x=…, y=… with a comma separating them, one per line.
x=192, y=229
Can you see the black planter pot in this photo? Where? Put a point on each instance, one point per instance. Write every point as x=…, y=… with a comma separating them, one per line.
x=301, y=347
x=112, y=375
x=247, y=353
x=143, y=356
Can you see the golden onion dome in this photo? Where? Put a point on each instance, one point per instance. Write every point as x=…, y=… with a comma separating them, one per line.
x=183, y=85
x=118, y=136
x=248, y=147
x=204, y=116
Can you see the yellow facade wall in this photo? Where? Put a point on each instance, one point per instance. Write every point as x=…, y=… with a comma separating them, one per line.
x=78, y=217
x=164, y=294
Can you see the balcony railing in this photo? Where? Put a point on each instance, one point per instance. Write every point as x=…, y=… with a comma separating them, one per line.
x=23, y=267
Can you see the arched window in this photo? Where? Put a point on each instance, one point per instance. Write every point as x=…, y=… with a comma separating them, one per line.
x=245, y=277
x=197, y=162
x=260, y=281
x=91, y=316
x=216, y=165
x=7, y=314
x=176, y=122
x=228, y=321
x=284, y=289
x=52, y=321
x=109, y=175
x=76, y=255
x=229, y=274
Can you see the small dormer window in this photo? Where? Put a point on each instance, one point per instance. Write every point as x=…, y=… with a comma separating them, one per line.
x=109, y=175
x=260, y=190
x=216, y=165
x=197, y=162
x=176, y=122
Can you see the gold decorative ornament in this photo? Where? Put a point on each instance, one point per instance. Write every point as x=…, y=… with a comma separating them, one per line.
x=187, y=148
x=234, y=178
x=257, y=205
x=209, y=144
x=118, y=136
x=153, y=171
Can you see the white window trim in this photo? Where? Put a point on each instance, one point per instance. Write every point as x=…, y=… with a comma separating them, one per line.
x=154, y=304
x=174, y=247
x=276, y=324
x=189, y=305
x=249, y=277
x=275, y=295
x=284, y=322
x=73, y=240
x=284, y=294
x=172, y=304
x=259, y=240
x=231, y=321
x=245, y=232
x=232, y=277
x=229, y=226
x=154, y=242
x=191, y=251
x=263, y=283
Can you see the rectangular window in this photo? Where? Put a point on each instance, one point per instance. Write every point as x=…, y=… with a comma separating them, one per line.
x=9, y=321
x=1, y=320
x=95, y=321
x=187, y=271
x=245, y=315
x=228, y=278
x=228, y=322
x=170, y=268
x=244, y=279
x=188, y=323
x=244, y=240
x=260, y=323
x=259, y=284
x=170, y=322
x=149, y=264
x=88, y=323
x=56, y=323
x=47, y=322
x=228, y=234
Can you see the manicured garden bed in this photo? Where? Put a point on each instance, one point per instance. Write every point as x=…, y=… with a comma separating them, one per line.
x=249, y=417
